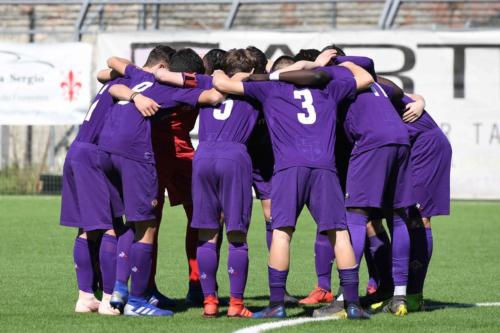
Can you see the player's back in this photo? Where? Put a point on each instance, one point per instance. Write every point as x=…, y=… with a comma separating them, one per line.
x=371, y=120
x=231, y=121
x=301, y=120
x=93, y=122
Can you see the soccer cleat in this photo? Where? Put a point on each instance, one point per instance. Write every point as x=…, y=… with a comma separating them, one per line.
x=335, y=310
x=317, y=296
x=289, y=299
x=237, y=309
x=86, y=303
x=415, y=302
x=377, y=297
x=119, y=297
x=211, y=307
x=397, y=306
x=194, y=297
x=156, y=298
x=272, y=311
x=356, y=312
x=105, y=308
x=139, y=306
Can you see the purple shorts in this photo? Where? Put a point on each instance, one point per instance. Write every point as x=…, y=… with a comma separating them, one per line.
x=430, y=158
x=380, y=178
x=88, y=200
x=222, y=182
x=137, y=182
x=319, y=189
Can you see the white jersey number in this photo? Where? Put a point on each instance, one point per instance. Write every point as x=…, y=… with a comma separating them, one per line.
x=138, y=88
x=93, y=106
x=220, y=114
x=308, y=117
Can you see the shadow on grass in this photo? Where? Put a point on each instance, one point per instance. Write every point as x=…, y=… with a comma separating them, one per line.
x=433, y=305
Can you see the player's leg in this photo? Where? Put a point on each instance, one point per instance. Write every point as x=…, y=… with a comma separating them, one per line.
x=237, y=267
x=266, y=210
x=379, y=252
x=84, y=269
x=120, y=290
x=326, y=204
x=323, y=262
x=206, y=218
x=288, y=197
x=421, y=247
x=107, y=264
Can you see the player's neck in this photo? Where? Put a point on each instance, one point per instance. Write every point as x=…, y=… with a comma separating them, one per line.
x=147, y=69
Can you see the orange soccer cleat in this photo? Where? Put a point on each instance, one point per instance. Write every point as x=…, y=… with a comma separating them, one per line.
x=237, y=309
x=317, y=296
x=210, y=307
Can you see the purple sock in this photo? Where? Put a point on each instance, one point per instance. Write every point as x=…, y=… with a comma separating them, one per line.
x=277, y=285
x=349, y=282
x=141, y=257
x=206, y=254
x=420, y=255
x=123, y=256
x=83, y=265
x=323, y=258
x=370, y=265
x=357, y=230
x=107, y=262
x=400, y=251
x=237, y=267
x=380, y=252
x=269, y=234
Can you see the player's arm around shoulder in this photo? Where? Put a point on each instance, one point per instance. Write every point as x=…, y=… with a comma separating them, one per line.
x=226, y=85
x=211, y=97
x=363, y=79
x=163, y=75
x=145, y=105
x=118, y=64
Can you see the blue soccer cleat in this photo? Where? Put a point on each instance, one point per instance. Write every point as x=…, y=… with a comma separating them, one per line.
x=272, y=311
x=355, y=312
x=138, y=306
x=156, y=298
x=119, y=297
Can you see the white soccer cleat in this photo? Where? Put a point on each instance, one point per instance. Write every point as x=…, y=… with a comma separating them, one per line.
x=105, y=308
x=86, y=303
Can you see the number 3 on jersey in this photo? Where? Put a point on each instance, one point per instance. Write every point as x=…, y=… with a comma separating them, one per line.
x=220, y=114
x=309, y=116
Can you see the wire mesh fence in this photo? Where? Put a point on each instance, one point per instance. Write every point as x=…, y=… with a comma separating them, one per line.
x=32, y=158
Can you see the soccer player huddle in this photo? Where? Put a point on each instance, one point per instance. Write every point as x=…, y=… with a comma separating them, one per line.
x=319, y=129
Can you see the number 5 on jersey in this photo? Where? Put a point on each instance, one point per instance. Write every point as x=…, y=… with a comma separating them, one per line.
x=220, y=114
x=309, y=116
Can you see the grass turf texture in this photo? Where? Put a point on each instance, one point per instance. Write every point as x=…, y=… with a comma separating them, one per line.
x=38, y=284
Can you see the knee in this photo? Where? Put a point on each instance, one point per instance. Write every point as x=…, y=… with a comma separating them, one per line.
x=208, y=235
x=236, y=237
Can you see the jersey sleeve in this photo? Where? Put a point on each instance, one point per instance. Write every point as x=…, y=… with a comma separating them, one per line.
x=203, y=81
x=169, y=96
x=132, y=71
x=342, y=89
x=336, y=72
x=258, y=90
x=364, y=62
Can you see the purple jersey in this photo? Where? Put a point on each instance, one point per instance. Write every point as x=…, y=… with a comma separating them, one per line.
x=126, y=132
x=91, y=127
x=301, y=121
x=232, y=120
x=371, y=120
x=423, y=124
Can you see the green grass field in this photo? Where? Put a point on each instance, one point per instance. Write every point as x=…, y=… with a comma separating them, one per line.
x=38, y=288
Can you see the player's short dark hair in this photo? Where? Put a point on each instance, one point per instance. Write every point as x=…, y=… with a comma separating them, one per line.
x=238, y=60
x=213, y=60
x=307, y=54
x=340, y=52
x=160, y=53
x=260, y=60
x=187, y=60
x=282, y=62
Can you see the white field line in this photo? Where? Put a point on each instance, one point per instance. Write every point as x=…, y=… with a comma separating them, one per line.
x=294, y=322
